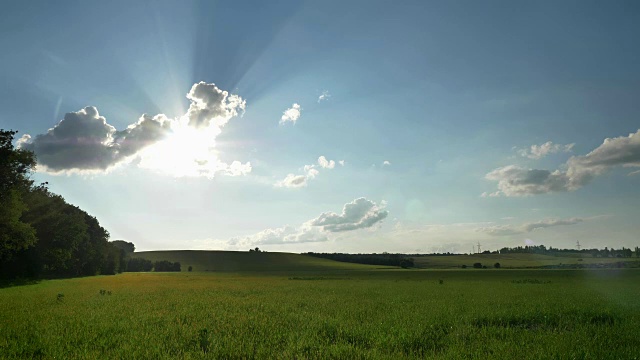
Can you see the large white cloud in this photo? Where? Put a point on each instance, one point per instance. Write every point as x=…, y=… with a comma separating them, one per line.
x=505, y=230
x=358, y=214
x=292, y=114
x=576, y=173
x=542, y=150
x=84, y=142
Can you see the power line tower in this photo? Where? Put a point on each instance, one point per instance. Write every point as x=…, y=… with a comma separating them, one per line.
x=578, y=246
x=478, y=247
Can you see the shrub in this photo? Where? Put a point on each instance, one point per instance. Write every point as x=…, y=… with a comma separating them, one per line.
x=477, y=265
x=496, y=265
x=190, y=268
x=464, y=266
x=406, y=263
x=165, y=265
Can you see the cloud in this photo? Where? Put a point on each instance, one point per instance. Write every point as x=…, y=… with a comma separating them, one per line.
x=310, y=172
x=341, y=162
x=84, y=142
x=210, y=104
x=506, y=230
x=293, y=181
x=542, y=150
x=577, y=172
x=386, y=163
x=358, y=214
x=327, y=164
x=292, y=114
x=324, y=96
x=283, y=235
x=516, y=181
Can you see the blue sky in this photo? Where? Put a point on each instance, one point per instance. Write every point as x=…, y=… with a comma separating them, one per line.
x=333, y=126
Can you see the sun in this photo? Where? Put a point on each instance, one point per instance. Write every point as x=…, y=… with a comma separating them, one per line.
x=186, y=152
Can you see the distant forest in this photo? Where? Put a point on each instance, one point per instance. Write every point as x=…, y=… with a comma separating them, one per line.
x=41, y=235
x=541, y=249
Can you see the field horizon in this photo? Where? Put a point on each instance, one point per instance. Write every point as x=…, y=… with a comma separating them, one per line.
x=232, y=261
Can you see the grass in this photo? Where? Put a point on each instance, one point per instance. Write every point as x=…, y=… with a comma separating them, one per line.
x=332, y=313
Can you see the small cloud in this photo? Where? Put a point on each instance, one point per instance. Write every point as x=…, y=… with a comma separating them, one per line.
x=293, y=181
x=310, y=172
x=341, y=162
x=542, y=150
x=327, y=164
x=292, y=114
x=386, y=163
x=324, y=96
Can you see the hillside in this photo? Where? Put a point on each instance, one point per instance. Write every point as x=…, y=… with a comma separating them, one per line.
x=232, y=261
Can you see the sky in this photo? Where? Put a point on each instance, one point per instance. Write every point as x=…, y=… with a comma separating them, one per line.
x=333, y=126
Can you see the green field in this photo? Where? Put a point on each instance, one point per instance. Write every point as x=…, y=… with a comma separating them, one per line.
x=315, y=308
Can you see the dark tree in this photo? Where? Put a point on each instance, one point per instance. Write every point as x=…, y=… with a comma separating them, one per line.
x=128, y=247
x=190, y=268
x=139, y=264
x=477, y=265
x=496, y=265
x=15, y=168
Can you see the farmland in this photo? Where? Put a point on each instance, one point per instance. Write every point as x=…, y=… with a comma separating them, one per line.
x=316, y=308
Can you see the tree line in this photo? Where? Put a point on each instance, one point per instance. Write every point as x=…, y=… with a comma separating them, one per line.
x=541, y=249
x=41, y=235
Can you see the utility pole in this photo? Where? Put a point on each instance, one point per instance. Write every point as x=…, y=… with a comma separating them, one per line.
x=478, y=247
x=578, y=246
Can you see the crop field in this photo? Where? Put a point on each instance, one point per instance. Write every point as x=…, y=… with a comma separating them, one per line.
x=353, y=312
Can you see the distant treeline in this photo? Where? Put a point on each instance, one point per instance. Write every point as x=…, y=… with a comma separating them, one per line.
x=140, y=265
x=369, y=259
x=41, y=235
x=541, y=249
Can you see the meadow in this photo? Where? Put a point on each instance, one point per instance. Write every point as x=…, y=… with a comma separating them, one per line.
x=316, y=308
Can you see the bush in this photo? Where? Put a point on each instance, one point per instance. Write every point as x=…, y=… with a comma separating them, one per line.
x=165, y=265
x=496, y=265
x=464, y=266
x=190, y=268
x=477, y=265
x=406, y=263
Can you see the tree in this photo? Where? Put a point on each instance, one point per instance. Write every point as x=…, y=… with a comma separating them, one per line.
x=128, y=247
x=496, y=265
x=190, y=268
x=15, y=168
x=477, y=265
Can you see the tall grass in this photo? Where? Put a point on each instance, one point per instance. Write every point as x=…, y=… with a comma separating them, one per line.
x=377, y=314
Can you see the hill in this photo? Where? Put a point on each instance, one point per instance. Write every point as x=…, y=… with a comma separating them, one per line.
x=233, y=261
